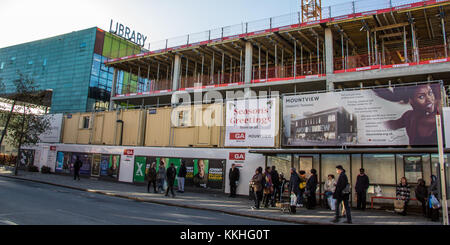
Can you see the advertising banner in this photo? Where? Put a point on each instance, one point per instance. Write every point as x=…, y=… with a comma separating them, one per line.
x=53, y=134
x=109, y=165
x=403, y=115
x=251, y=123
x=201, y=167
x=59, y=162
x=139, y=169
x=215, y=175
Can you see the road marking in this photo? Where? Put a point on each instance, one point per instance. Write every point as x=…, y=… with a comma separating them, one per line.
x=7, y=222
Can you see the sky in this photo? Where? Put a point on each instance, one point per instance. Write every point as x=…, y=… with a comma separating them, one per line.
x=29, y=20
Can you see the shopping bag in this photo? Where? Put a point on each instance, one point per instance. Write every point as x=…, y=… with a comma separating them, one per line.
x=399, y=206
x=293, y=199
x=434, y=202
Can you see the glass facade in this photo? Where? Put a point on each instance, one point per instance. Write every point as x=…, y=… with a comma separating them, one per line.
x=71, y=65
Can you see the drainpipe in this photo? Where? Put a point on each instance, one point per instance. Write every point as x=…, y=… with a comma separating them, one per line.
x=121, y=130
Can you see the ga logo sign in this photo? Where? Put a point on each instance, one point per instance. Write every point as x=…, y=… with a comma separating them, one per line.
x=237, y=136
x=237, y=156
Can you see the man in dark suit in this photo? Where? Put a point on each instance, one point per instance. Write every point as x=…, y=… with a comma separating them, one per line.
x=234, y=178
x=362, y=184
x=76, y=168
x=171, y=174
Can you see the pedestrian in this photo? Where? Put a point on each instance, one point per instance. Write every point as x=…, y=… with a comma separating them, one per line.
x=233, y=175
x=311, y=187
x=362, y=184
x=341, y=194
x=422, y=195
x=161, y=177
x=276, y=185
x=256, y=184
x=76, y=168
x=330, y=187
x=302, y=188
x=151, y=177
x=294, y=183
x=433, y=213
x=171, y=175
x=403, y=193
x=268, y=187
x=182, y=176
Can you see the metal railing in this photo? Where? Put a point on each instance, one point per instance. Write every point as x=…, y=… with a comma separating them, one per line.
x=392, y=57
x=332, y=11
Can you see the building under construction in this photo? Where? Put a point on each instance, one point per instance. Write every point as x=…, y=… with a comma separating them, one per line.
x=356, y=44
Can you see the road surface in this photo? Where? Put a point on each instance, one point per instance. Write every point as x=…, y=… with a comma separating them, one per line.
x=29, y=203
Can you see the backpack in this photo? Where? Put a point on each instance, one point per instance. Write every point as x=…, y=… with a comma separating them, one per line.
x=302, y=184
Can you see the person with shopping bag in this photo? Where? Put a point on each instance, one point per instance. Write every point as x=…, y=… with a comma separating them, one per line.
x=433, y=190
x=403, y=197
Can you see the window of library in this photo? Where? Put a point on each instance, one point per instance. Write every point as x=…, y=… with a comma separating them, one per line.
x=380, y=168
x=282, y=163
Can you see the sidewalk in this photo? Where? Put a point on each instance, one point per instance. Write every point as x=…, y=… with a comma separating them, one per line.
x=218, y=202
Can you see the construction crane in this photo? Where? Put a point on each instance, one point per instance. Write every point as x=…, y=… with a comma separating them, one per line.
x=311, y=10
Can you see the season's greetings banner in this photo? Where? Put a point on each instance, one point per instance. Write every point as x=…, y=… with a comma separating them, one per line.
x=251, y=123
x=404, y=115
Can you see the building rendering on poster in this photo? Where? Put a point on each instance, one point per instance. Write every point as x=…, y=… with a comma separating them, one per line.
x=403, y=115
x=251, y=123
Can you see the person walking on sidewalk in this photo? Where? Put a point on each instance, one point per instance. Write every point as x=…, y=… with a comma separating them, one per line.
x=403, y=193
x=182, y=176
x=161, y=177
x=152, y=177
x=311, y=187
x=362, y=184
x=171, y=175
x=256, y=184
x=233, y=175
x=341, y=194
x=276, y=185
x=76, y=168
